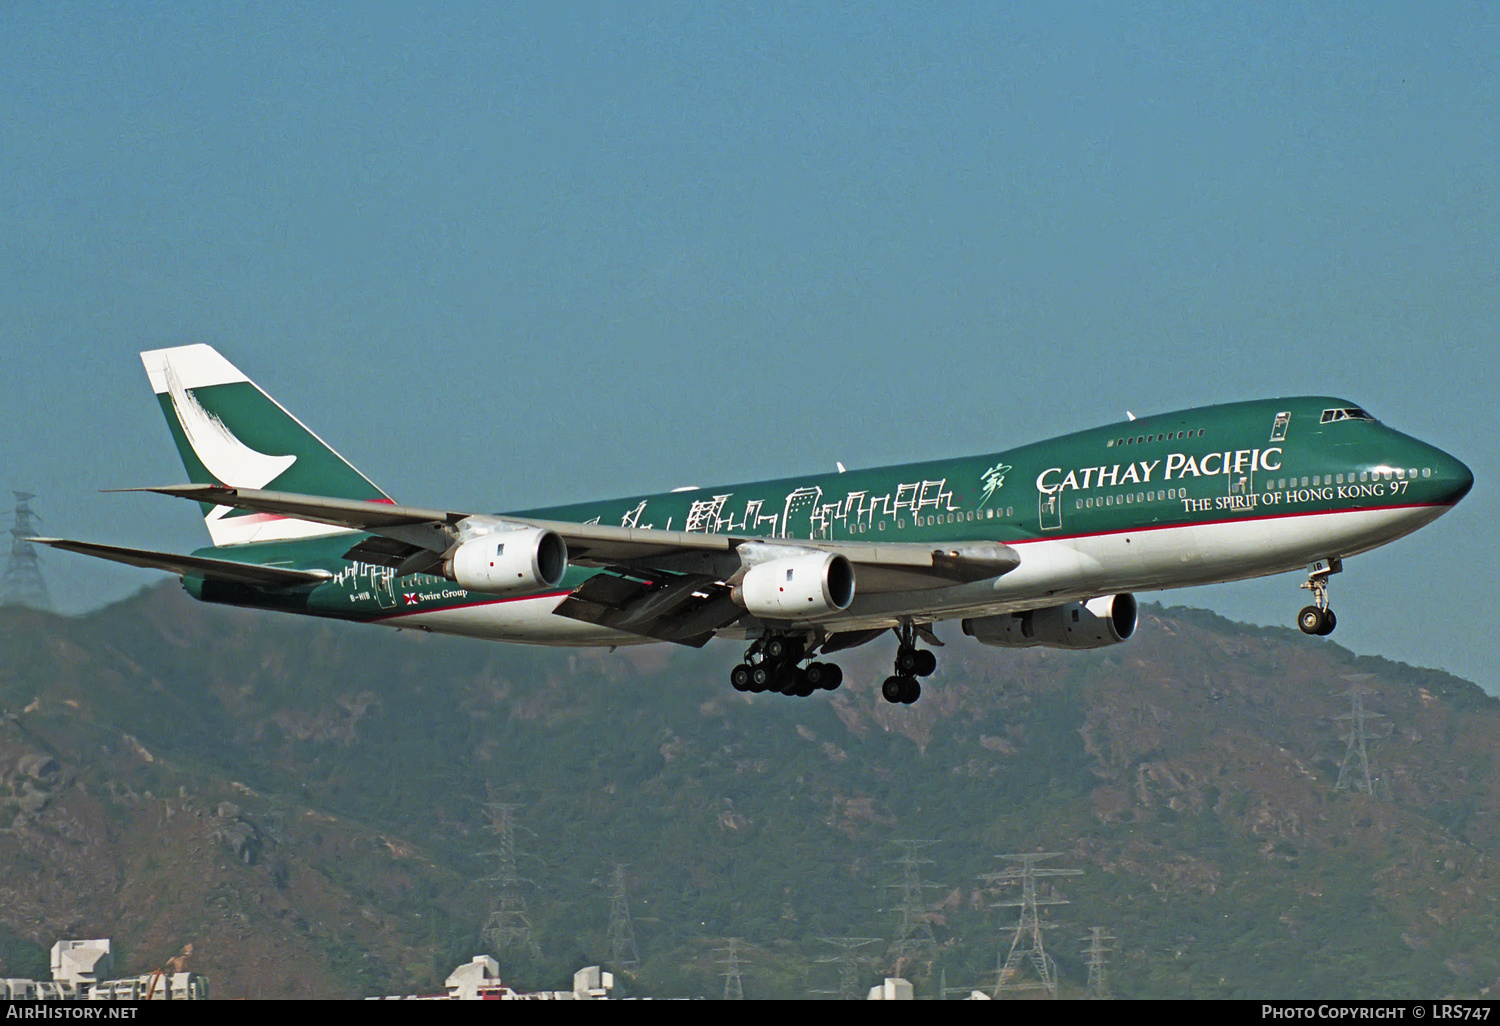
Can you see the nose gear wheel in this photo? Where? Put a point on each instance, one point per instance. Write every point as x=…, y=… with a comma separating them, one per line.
x=1318, y=619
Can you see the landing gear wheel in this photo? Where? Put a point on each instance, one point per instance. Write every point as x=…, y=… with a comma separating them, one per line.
x=893, y=689
x=802, y=684
x=901, y=690
x=783, y=649
x=912, y=661
x=760, y=677
x=1313, y=620
x=906, y=659
x=1318, y=619
x=739, y=677
x=833, y=676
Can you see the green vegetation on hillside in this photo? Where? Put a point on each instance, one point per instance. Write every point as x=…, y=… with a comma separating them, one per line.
x=273, y=790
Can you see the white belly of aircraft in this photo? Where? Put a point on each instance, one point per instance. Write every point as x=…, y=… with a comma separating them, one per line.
x=1051, y=572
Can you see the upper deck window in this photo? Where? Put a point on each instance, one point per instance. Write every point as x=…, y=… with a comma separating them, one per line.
x=1347, y=413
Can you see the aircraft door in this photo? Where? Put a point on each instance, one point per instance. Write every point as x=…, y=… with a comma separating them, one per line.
x=384, y=586
x=1049, y=510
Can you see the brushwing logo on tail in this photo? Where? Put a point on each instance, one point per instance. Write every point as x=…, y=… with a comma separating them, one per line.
x=224, y=456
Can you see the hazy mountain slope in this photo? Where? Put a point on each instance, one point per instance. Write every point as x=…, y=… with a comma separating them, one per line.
x=1189, y=773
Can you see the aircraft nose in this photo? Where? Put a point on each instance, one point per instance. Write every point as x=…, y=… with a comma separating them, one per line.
x=1456, y=479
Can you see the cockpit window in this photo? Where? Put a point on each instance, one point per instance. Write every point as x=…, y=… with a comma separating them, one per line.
x=1347, y=413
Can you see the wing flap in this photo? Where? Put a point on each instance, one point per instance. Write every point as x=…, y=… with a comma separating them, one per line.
x=685, y=609
x=193, y=566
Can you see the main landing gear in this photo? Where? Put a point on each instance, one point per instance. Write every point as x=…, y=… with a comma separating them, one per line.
x=771, y=664
x=1318, y=618
x=775, y=663
x=911, y=662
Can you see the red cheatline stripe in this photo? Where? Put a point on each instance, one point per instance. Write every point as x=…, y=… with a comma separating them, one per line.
x=472, y=605
x=1230, y=520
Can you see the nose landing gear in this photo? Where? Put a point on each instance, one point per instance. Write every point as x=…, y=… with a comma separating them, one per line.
x=1318, y=619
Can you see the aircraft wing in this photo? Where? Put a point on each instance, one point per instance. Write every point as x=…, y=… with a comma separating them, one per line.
x=193, y=566
x=412, y=538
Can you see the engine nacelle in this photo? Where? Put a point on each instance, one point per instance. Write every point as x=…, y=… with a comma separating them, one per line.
x=797, y=586
x=525, y=559
x=1107, y=620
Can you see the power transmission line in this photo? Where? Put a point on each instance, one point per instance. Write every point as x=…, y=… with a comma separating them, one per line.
x=850, y=961
x=22, y=584
x=1026, y=946
x=734, y=985
x=621, y=929
x=1095, y=951
x=509, y=923
x=915, y=941
x=1354, y=772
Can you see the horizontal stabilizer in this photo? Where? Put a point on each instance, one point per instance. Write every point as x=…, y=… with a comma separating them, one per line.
x=357, y=514
x=193, y=566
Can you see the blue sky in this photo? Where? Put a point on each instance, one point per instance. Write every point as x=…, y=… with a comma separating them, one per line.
x=501, y=257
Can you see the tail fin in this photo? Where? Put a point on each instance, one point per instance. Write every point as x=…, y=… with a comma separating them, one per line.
x=228, y=431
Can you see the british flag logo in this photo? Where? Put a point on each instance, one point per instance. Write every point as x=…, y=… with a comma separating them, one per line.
x=412, y=598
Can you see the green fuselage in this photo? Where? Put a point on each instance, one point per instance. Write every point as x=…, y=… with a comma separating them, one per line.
x=1216, y=493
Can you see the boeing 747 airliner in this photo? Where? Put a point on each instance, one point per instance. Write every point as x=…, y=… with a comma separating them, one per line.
x=1041, y=544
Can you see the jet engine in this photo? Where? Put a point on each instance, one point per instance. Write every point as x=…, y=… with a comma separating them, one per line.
x=525, y=559
x=1107, y=620
x=796, y=586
